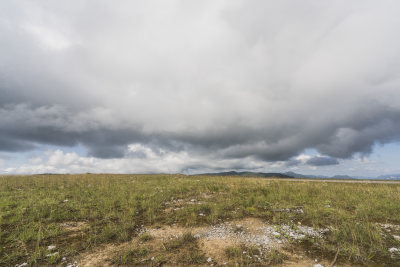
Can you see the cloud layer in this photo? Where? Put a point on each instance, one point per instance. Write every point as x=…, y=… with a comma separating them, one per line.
x=213, y=80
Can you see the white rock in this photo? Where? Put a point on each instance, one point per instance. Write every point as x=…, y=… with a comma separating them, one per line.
x=301, y=236
x=394, y=250
x=22, y=264
x=396, y=237
x=318, y=265
x=276, y=233
x=209, y=260
x=52, y=254
x=51, y=247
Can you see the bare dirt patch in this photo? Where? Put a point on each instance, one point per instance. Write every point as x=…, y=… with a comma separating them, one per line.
x=167, y=232
x=213, y=242
x=73, y=226
x=100, y=257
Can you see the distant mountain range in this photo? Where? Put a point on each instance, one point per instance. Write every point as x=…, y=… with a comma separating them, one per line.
x=298, y=175
x=250, y=174
x=389, y=177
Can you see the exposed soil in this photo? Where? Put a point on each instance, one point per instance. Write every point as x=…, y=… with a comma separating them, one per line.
x=74, y=229
x=213, y=242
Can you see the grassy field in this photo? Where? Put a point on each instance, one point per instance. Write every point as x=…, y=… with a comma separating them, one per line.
x=81, y=213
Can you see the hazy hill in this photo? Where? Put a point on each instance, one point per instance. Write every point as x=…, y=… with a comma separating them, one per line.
x=389, y=177
x=298, y=175
x=250, y=174
x=291, y=174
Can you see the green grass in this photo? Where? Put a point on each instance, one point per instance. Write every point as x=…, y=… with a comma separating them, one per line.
x=114, y=207
x=183, y=251
x=146, y=237
x=132, y=255
x=244, y=255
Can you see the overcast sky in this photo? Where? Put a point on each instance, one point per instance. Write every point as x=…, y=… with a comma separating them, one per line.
x=191, y=86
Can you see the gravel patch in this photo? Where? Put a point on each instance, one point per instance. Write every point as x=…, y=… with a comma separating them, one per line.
x=264, y=237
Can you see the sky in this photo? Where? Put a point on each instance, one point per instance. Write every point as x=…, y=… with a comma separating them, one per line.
x=198, y=86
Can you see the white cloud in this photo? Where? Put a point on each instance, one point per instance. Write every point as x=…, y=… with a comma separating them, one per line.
x=303, y=158
x=51, y=38
x=237, y=82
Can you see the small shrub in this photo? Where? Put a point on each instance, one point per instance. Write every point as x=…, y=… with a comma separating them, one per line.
x=232, y=252
x=238, y=228
x=275, y=257
x=132, y=255
x=182, y=241
x=146, y=237
x=196, y=257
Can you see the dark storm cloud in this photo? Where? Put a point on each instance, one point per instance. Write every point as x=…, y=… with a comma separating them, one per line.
x=322, y=161
x=222, y=79
x=9, y=144
x=292, y=162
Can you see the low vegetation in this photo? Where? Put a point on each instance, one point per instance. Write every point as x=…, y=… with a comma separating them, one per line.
x=79, y=213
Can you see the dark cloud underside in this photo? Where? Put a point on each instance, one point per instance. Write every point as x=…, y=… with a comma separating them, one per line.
x=322, y=161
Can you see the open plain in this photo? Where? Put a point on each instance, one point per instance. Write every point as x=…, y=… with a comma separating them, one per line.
x=178, y=220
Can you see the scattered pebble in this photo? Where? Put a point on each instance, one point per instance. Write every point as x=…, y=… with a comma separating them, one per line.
x=318, y=265
x=394, y=250
x=22, y=264
x=75, y=264
x=267, y=237
x=52, y=254
x=293, y=210
x=299, y=232
x=388, y=226
x=209, y=260
x=51, y=247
